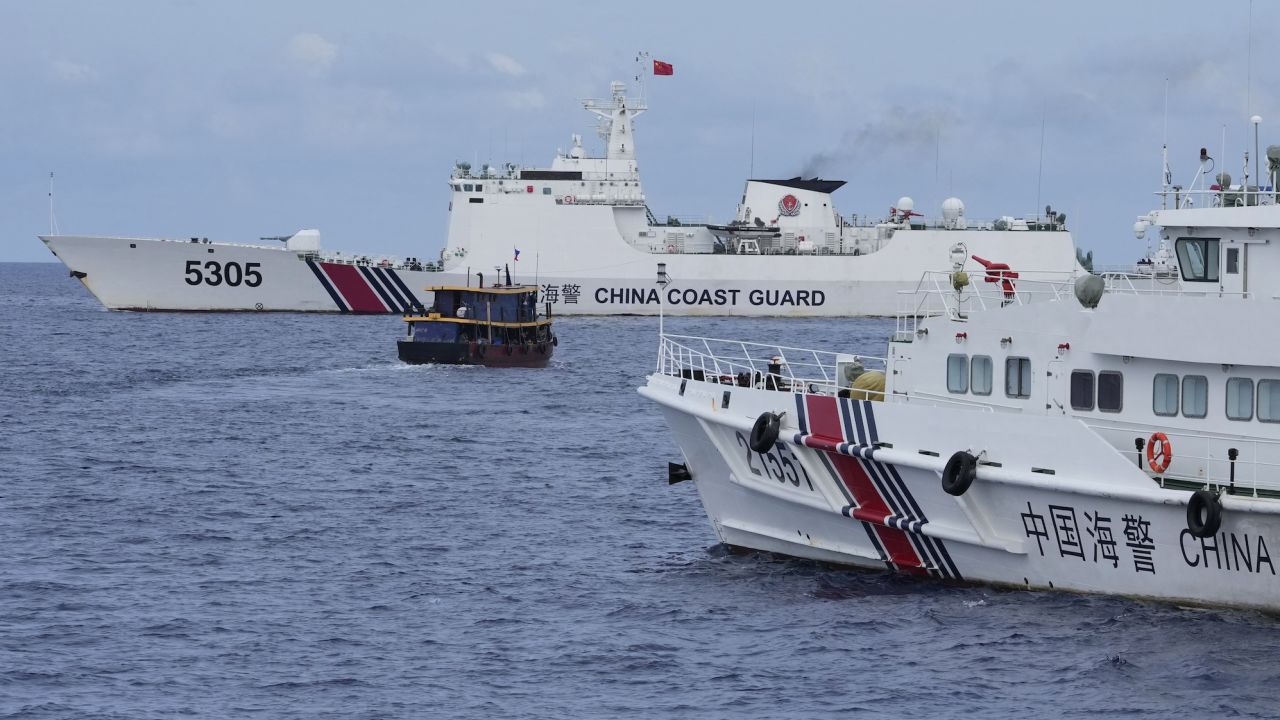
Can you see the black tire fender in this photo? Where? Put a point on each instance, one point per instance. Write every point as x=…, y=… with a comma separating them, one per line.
x=959, y=473
x=1204, y=514
x=765, y=432
x=555, y=341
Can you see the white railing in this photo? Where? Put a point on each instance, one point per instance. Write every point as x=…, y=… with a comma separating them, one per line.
x=1203, y=459
x=733, y=362
x=1234, y=196
x=936, y=294
x=809, y=372
x=1122, y=283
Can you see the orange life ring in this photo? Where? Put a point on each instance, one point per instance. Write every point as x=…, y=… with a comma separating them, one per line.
x=1158, y=460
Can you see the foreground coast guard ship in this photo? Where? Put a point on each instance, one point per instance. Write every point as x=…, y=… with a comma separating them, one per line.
x=1049, y=431
x=584, y=228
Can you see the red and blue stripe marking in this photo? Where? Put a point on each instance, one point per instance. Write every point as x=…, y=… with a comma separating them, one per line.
x=364, y=289
x=844, y=431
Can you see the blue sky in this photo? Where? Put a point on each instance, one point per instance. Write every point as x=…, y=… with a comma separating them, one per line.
x=235, y=120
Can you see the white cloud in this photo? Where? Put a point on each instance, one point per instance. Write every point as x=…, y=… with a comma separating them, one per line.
x=312, y=53
x=505, y=64
x=72, y=72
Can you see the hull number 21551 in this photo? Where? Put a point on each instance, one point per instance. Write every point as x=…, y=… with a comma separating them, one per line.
x=778, y=463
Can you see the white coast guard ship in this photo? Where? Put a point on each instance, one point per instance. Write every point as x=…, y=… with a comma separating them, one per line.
x=1048, y=432
x=583, y=230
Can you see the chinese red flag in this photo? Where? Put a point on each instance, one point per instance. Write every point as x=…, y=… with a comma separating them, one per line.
x=661, y=68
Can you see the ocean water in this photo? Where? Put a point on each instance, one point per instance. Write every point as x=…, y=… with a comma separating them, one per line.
x=268, y=516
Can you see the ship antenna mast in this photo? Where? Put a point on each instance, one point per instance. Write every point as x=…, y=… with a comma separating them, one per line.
x=1166, y=178
x=1255, y=119
x=53, y=221
x=642, y=67
x=1040, y=169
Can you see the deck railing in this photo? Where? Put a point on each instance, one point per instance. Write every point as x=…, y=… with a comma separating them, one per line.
x=1200, y=459
x=936, y=294
x=1234, y=196
x=733, y=362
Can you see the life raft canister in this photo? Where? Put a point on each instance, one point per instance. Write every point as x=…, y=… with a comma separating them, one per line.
x=1204, y=514
x=959, y=473
x=1158, y=459
x=765, y=432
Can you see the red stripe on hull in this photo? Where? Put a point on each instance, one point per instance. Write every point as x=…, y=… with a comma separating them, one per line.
x=824, y=418
x=824, y=422
x=348, y=281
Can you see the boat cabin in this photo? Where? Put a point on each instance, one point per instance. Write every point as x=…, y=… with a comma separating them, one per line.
x=1185, y=383
x=504, y=315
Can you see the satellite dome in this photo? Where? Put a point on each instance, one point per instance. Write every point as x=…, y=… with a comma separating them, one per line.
x=1140, y=229
x=906, y=204
x=952, y=208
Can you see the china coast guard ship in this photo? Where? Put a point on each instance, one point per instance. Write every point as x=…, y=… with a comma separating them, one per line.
x=1058, y=432
x=584, y=227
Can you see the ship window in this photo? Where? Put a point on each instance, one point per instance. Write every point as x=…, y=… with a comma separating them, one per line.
x=468, y=187
x=546, y=191
x=1269, y=400
x=1239, y=398
x=1195, y=396
x=1198, y=258
x=1081, y=390
x=1164, y=394
x=479, y=188
x=475, y=200
x=1110, y=391
x=980, y=375
x=1233, y=261
x=1017, y=377
x=957, y=373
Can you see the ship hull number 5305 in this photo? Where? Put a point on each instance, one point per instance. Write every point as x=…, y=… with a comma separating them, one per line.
x=228, y=273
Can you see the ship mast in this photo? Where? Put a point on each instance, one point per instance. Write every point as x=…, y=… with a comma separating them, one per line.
x=614, y=125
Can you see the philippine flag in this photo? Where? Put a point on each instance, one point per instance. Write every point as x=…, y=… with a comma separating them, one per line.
x=517, y=255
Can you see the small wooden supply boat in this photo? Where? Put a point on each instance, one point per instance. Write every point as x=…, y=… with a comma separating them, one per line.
x=496, y=326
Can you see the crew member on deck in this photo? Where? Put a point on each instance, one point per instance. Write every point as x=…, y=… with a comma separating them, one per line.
x=773, y=376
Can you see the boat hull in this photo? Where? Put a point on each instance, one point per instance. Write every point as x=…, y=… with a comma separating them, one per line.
x=858, y=483
x=534, y=355
x=608, y=277
x=169, y=275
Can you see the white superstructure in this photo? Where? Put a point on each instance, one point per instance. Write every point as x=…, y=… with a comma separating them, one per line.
x=581, y=229
x=1049, y=432
x=585, y=226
